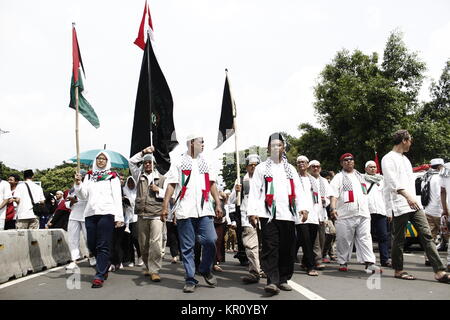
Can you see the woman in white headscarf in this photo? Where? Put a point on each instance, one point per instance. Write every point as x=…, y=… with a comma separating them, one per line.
x=101, y=188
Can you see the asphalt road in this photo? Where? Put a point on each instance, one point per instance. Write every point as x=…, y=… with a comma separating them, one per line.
x=130, y=284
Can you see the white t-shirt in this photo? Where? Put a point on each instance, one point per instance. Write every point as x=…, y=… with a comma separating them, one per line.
x=5, y=193
x=77, y=209
x=445, y=183
x=434, y=207
x=25, y=207
x=190, y=205
x=345, y=207
x=376, y=198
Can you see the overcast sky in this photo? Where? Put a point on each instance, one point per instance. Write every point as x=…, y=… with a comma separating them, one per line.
x=274, y=51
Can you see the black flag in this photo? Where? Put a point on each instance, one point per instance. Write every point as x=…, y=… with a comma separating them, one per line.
x=155, y=114
x=226, y=126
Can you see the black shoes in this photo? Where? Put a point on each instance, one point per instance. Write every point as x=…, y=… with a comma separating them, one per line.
x=210, y=279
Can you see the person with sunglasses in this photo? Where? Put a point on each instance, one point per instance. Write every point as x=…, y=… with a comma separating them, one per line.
x=349, y=207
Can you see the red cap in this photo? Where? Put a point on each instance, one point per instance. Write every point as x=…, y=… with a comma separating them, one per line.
x=345, y=155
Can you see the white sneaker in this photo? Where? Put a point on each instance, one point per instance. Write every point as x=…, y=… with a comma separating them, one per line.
x=129, y=264
x=92, y=261
x=112, y=268
x=140, y=262
x=373, y=268
x=120, y=267
x=71, y=266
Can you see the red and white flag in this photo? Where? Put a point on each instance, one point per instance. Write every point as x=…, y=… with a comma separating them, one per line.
x=140, y=40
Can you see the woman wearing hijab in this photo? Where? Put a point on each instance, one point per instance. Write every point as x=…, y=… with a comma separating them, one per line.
x=131, y=236
x=101, y=188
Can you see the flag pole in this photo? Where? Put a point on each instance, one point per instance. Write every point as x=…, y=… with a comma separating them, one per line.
x=238, y=170
x=150, y=94
x=77, y=138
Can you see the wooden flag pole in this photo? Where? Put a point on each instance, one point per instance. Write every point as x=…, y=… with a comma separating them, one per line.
x=238, y=169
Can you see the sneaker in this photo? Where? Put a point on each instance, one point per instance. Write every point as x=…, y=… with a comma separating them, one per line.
x=210, y=279
x=119, y=267
x=189, y=288
x=343, y=267
x=112, y=268
x=71, y=266
x=174, y=260
x=373, y=268
x=155, y=277
x=387, y=264
x=285, y=287
x=129, y=264
x=92, y=261
x=140, y=262
x=272, y=289
x=97, y=283
x=250, y=278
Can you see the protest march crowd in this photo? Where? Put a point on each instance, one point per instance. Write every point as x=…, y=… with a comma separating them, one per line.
x=272, y=211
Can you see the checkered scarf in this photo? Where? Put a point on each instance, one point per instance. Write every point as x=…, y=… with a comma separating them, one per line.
x=186, y=164
x=287, y=168
x=319, y=189
x=347, y=184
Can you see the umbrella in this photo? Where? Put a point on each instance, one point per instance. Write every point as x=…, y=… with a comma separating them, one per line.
x=117, y=160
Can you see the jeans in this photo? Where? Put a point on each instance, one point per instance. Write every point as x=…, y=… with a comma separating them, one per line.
x=99, y=237
x=379, y=229
x=188, y=230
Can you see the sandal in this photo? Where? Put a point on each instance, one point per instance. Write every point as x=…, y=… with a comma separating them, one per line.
x=445, y=278
x=312, y=273
x=404, y=276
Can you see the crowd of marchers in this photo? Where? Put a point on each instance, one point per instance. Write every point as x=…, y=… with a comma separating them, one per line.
x=271, y=212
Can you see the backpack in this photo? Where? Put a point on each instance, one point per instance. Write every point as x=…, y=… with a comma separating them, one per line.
x=418, y=185
x=425, y=192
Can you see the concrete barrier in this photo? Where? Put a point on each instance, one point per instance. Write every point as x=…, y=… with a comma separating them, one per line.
x=24, y=251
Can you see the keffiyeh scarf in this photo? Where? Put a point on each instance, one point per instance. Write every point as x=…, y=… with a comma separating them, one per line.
x=102, y=175
x=186, y=170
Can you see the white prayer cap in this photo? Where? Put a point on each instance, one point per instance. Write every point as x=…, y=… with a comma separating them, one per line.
x=302, y=158
x=314, y=163
x=227, y=191
x=436, y=161
x=193, y=136
x=370, y=162
x=252, y=158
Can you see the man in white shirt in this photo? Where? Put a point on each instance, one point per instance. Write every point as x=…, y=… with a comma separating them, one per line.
x=275, y=201
x=26, y=219
x=433, y=209
x=445, y=201
x=5, y=196
x=321, y=193
x=349, y=206
x=249, y=232
x=193, y=181
x=400, y=188
x=149, y=198
x=377, y=209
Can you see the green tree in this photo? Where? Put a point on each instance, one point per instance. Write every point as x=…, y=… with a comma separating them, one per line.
x=5, y=171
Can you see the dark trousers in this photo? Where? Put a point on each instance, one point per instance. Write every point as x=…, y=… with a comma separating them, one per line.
x=378, y=228
x=130, y=243
x=99, y=231
x=10, y=224
x=117, y=248
x=220, y=242
x=172, y=239
x=278, y=250
x=306, y=234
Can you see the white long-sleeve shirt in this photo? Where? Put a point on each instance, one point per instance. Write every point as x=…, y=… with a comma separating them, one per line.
x=244, y=203
x=103, y=197
x=307, y=200
x=282, y=189
x=398, y=175
x=319, y=207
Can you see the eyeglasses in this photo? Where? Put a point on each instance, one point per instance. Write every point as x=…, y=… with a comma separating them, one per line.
x=348, y=159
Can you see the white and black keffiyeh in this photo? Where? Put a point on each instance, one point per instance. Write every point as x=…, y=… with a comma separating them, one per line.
x=287, y=168
x=186, y=164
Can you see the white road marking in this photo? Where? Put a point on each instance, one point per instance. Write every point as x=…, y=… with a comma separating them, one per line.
x=13, y=282
x=305, y=292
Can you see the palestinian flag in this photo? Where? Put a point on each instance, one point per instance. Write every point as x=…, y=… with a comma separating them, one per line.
x=140, y=40
x=77, y=81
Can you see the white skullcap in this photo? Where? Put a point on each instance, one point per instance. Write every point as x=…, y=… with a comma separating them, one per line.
x=253, y=158
x=370, y=162
x=227, y=191
x=193, y=136
x=314, y=163
x=436, y=161
x=299, y=158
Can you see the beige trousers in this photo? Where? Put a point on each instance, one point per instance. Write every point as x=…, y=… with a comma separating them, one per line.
x=150, y=240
